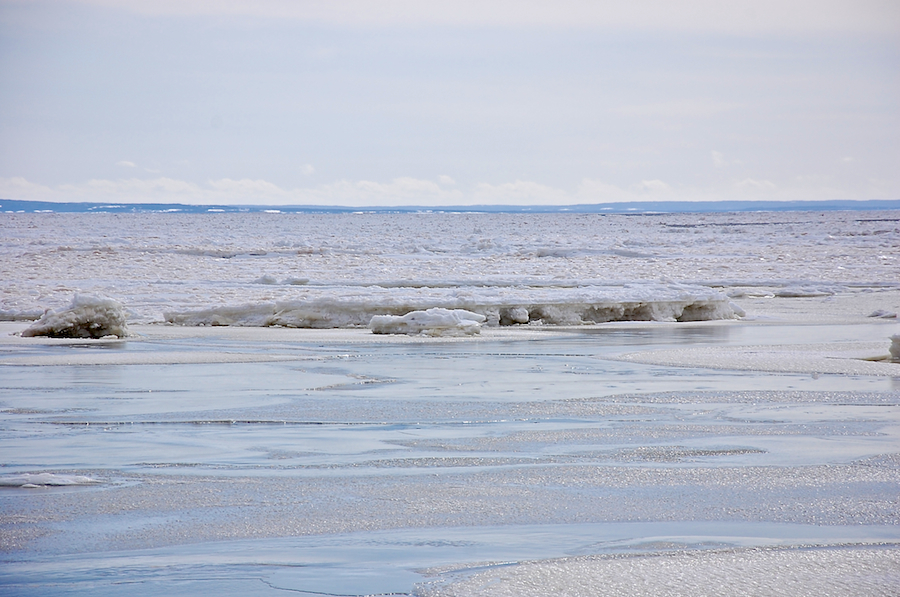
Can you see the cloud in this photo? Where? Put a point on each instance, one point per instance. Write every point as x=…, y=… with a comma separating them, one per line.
x=407, y=191
x=653, y=186
x=126, y=163
x=595, y=191
x=736, y=16
x=519, y=192
x=400, y=191
x=20, y=188
x=248, y=188
x=307, y=170
x=445, y=180
x=755, y=186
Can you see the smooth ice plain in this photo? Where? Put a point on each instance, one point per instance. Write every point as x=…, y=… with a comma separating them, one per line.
x=740, y=456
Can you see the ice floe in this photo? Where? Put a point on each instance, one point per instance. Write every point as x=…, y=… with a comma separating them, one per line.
x=87, y=317
x=33, y=480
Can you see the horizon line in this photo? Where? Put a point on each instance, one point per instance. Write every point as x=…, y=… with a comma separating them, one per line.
x=20, y=205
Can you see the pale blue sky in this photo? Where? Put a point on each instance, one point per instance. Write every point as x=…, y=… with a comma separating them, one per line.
x=380, y=103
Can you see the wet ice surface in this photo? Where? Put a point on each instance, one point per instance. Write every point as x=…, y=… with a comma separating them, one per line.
x=389, y=466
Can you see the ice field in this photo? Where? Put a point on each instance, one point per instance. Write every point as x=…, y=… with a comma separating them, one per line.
x=672, y=404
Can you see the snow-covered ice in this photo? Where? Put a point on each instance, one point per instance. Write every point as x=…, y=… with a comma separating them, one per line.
x=355, y=306
x=433, y=322
x=32, y=480
x=87, y=317
x=326, y=270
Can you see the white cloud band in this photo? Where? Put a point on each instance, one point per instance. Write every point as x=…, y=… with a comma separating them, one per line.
x=411, y=191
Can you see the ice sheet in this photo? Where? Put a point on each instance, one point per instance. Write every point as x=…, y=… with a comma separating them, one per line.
x=345, y=268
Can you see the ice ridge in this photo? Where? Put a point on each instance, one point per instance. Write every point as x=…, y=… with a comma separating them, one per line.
x=507, y=306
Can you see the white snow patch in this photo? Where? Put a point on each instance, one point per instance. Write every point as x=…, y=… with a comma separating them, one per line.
x=87, y=317
x=433, y=322
x=32, y=480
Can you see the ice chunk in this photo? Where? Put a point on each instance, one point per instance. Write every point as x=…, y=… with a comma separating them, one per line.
x=882, y=314
x=514, y=315
x=29, y=480
x=803, y=292
x=895, y=347
x=266, y=279
x=433, y=322
x=87, y=317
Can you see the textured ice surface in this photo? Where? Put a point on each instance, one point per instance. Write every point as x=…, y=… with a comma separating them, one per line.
x=207, y=268
x=87, y=317
x=850, y=358
x=357, y=306
x=433, y=322
x=848, y=571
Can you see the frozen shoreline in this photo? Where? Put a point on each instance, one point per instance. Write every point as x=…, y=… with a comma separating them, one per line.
x=858, y=357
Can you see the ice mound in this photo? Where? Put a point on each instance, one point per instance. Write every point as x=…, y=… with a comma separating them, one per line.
x=895, y=348
x=337, y=307
x=32, y=480
x=433, y=322
x=87, y=317
x=266, y=279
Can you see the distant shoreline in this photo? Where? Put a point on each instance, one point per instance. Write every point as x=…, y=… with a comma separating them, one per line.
x=632, y=208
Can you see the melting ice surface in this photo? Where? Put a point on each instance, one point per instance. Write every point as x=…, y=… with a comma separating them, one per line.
x=524, y=460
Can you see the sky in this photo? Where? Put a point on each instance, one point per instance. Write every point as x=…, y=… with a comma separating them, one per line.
x=405, y=102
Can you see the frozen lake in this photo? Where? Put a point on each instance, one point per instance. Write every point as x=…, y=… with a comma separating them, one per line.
x=744, y=453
